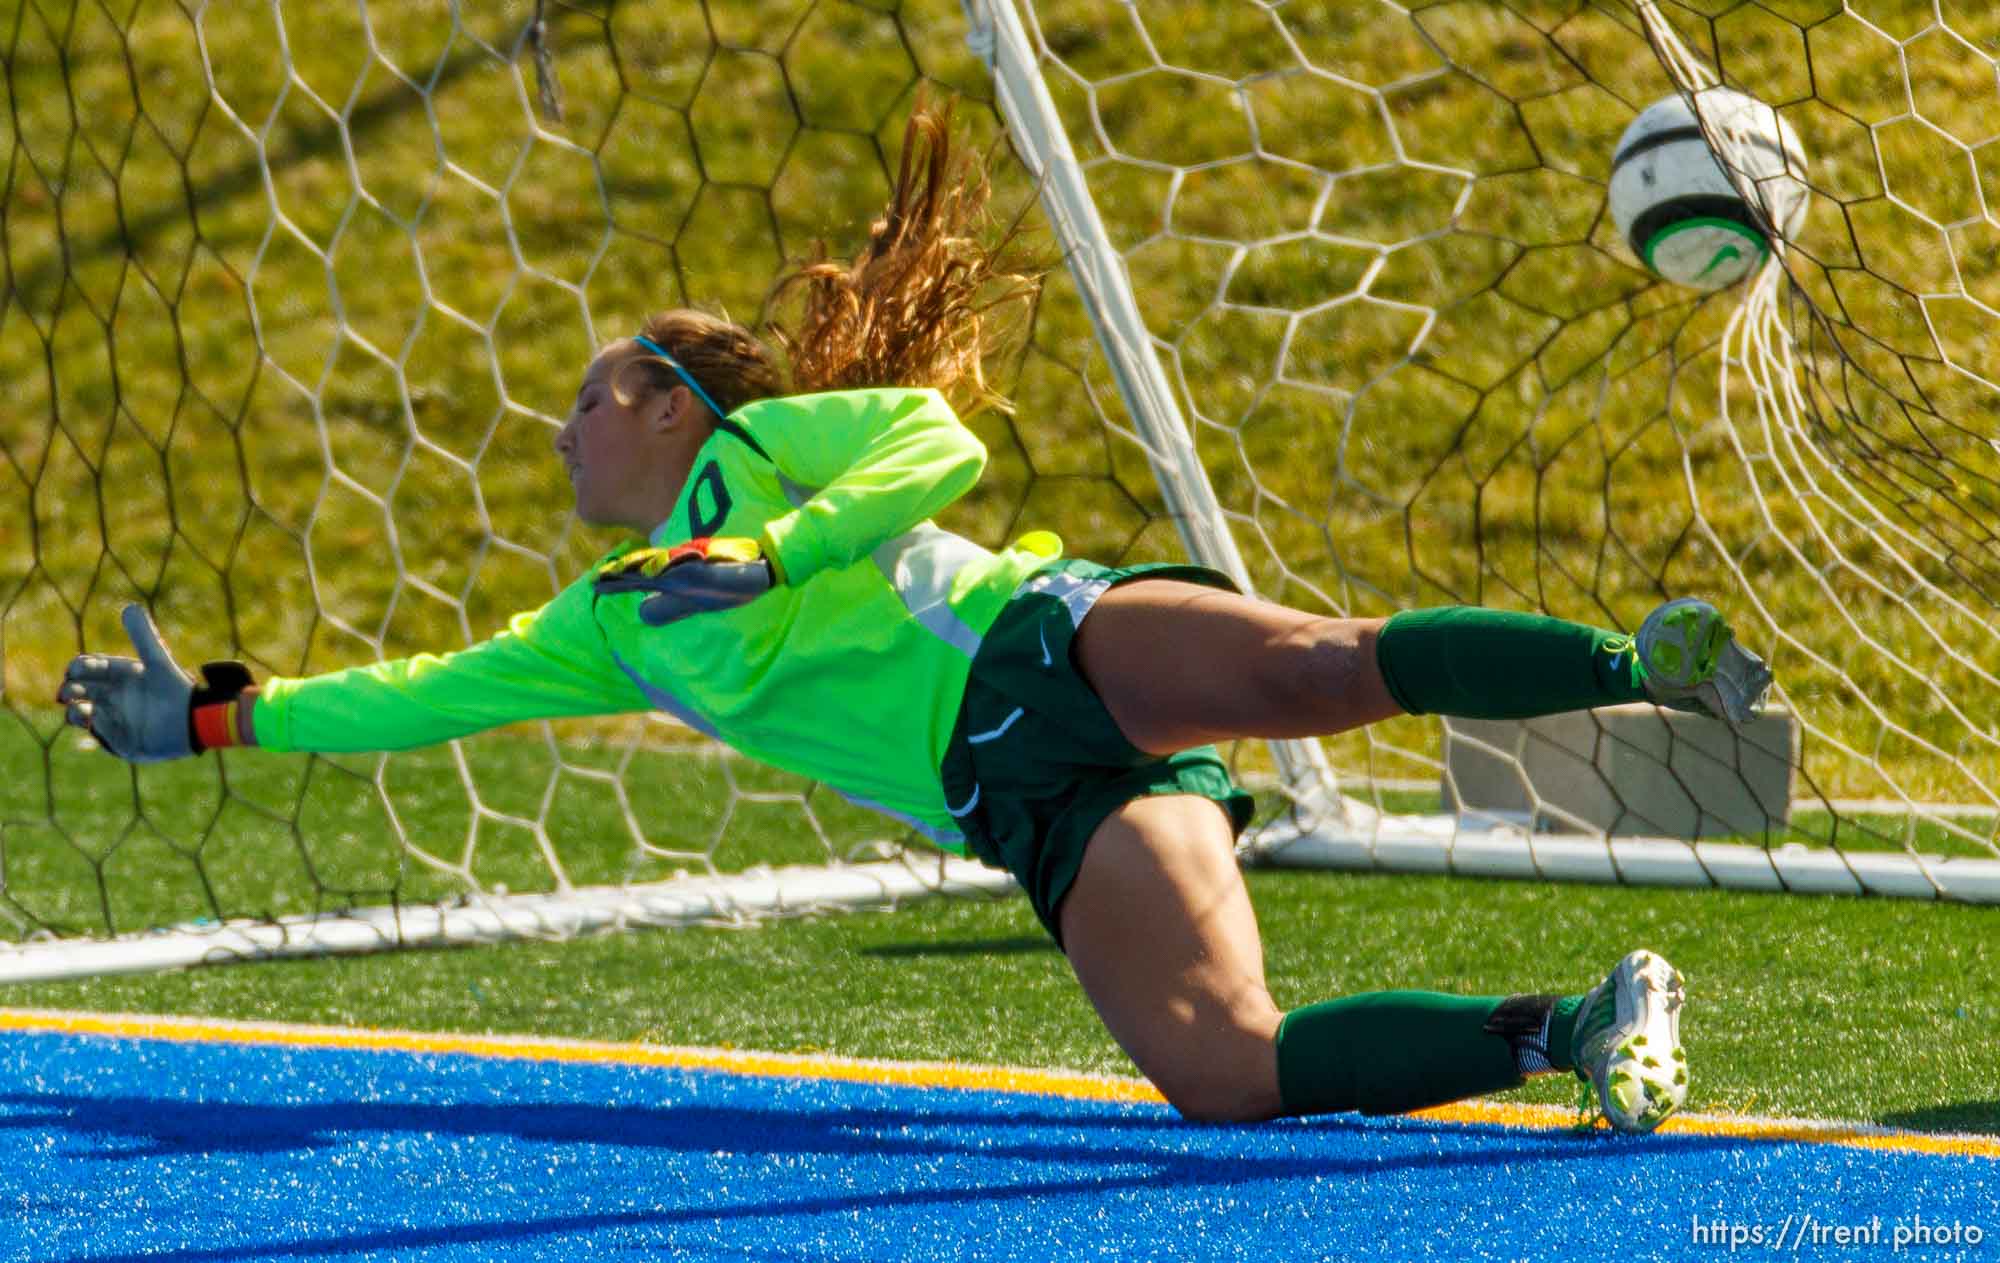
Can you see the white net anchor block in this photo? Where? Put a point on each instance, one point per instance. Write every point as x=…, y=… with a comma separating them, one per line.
x=1626, y=771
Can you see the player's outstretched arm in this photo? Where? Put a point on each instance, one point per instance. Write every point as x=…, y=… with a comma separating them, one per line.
x=148, y=709
x=546, y=664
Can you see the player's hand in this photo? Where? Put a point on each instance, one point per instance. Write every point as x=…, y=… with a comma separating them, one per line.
x=140, y=709
x=698, y=577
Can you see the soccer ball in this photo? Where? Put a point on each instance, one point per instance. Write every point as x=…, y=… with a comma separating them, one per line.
x=1680, y=211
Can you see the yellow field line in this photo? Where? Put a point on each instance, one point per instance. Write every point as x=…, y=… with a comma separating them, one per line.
x=925, y=1074
x=1744, y=1127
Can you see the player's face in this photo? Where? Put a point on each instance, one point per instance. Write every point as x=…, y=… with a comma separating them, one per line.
x=612, y=449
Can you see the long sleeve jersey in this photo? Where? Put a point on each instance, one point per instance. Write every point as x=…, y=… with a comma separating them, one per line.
x=849, y=672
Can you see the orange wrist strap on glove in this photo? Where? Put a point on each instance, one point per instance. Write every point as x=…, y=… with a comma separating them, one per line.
x=215, y=724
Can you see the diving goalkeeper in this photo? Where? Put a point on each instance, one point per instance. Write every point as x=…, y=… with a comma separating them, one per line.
x=790, y=596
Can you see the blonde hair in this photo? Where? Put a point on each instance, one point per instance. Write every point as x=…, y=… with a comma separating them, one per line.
x=915, y=308
x=732, y=366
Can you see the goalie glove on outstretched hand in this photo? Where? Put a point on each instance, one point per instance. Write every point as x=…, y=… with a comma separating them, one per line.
x=147, y=709
x=698, y=577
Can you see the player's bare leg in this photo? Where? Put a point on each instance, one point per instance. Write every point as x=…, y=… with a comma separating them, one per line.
x=1179, y=665
x=1158, y=925
x=1160, y=932
x=1159, y=929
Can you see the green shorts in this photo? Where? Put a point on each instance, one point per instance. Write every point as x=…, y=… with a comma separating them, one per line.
x=1035, y=762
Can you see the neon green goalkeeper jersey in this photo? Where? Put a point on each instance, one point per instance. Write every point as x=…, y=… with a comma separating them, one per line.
x=850, y=671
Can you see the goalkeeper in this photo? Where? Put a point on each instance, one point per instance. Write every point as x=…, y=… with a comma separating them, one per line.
x=1045, y=714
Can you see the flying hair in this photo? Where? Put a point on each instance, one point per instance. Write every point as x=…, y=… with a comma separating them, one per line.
x=919, y=306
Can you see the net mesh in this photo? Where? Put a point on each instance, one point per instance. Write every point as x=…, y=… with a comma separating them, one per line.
x=295, y=295
x=1373, y=247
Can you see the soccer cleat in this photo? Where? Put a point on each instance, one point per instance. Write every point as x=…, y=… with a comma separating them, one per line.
x=1689, y=660
x=1627, y=1044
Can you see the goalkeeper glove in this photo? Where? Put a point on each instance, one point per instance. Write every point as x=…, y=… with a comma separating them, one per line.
x=698, y=577
x=146, y=709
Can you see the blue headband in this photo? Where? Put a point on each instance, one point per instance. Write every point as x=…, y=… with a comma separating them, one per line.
x=680, y=372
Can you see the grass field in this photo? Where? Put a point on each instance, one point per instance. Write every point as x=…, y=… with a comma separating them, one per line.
x=285, y=345
x=258, y=835
x=1820, y=1007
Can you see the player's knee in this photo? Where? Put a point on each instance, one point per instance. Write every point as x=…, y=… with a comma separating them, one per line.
x=1227, y=1075
x=1206, y=1099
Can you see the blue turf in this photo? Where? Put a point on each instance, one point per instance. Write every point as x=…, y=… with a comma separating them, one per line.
x=126, y=1149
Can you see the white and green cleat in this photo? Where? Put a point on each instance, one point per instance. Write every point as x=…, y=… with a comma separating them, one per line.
x=1689, y=660
x=1627, y=1045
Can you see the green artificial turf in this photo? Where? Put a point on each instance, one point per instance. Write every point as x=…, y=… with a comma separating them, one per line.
x=285, y=339
x=1845, y=1008
x=1826, y=1007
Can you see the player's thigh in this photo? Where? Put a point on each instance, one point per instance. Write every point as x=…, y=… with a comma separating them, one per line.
x=1179, y=664
x=1159, y=929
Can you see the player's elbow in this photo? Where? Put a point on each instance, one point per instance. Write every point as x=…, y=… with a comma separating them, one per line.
x=953, y=449
x=970, y=462
x=967, y=455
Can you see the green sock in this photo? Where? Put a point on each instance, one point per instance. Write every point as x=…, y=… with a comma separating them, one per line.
x=1389, y=1052
x=1495, y=664
x=1562, y=1029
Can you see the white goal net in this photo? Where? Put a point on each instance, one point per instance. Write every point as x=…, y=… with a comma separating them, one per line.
x=293, y=296
x=1354, y=265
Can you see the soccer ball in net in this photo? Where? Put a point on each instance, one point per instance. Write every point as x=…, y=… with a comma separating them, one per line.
x=1682, y=213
